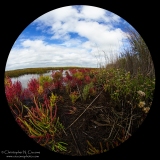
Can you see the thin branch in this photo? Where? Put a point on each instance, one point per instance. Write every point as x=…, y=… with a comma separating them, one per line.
x=111, y=131
x=116, y=134
x=64, y=132
x=100, y=124
x=84, y=111
x=127, y=133
x=87, y=134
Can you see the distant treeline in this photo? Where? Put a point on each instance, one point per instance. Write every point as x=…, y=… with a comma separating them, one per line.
x=19, y=72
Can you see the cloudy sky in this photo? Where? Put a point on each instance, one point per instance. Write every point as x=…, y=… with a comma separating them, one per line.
x=69, y=36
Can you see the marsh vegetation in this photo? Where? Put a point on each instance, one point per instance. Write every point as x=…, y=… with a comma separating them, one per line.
x=85, y=111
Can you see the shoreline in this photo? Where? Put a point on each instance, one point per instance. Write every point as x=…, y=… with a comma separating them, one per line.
x=20, y=72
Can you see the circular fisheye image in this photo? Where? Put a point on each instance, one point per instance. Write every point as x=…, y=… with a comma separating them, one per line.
x=79, y=80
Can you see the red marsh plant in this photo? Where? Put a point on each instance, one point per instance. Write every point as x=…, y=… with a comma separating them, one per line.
x=33, y=86
x=74, y=96
x=87, y=79
x=26, y=94
x=78, y=78
x=68, y=81
x=84, y=74
x=45, y=81
x=72, y=71
x=42, y=125
x=70, y=78
x=13, y=91
x=18, y=114
x=57, y=78
x=84, y=70
x=36, y=88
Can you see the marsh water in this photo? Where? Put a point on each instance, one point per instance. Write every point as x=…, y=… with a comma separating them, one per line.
x=25, y=78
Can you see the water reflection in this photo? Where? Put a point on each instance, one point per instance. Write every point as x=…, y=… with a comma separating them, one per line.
x=24, y=79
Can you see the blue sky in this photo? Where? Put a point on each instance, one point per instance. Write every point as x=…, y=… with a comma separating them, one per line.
x=69, y=36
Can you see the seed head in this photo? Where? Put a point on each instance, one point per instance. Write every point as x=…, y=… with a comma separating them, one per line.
x=146, y=109
x=141, y=104
x=142, y=94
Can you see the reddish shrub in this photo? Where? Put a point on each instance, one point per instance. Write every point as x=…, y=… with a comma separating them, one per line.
x=17, y=87
x=57, y=75
x=33, y=86
x=13, y=91
x=68, y=76
x=87, y=79
x=26, y=94
x=57, y=78
x=72, y=71
x=9, y=94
